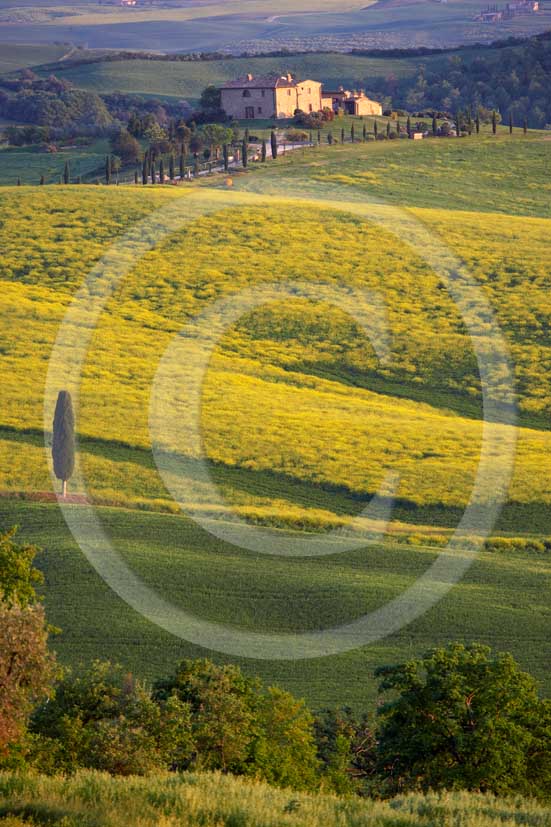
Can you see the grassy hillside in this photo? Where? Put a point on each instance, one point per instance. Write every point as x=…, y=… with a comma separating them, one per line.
x=187, y=80
x=299, y=418
x=502, y=601
x=20, y=55
x=30, y=163
x=210, y=800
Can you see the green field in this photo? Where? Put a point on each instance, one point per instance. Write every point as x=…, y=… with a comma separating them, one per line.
x=20, y=55
x=29, y=163
x=91, y=799
x=188, y=79
x=299, y=418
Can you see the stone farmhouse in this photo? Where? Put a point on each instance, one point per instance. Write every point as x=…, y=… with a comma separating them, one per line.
x=279, y=96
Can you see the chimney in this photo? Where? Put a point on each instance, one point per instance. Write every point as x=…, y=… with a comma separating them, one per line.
x=249, y=76
x=289, y=77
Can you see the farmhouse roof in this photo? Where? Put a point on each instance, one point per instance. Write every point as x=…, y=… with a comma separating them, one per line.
x=261, y=82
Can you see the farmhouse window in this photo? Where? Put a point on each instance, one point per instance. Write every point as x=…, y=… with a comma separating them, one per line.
x=263, y=93
x=260, y=110
x=246, y=94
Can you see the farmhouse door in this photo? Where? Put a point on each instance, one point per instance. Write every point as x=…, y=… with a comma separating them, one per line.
x=249, y=111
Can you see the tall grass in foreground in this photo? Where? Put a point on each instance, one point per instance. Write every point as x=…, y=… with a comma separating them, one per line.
x=91, y=799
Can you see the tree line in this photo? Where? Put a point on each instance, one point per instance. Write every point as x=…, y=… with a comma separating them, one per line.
x=459, y=717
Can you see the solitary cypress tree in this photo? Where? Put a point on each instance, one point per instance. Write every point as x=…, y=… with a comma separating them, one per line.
x=244, y=150
x=458, y=125
x=388, y=129
x=171, y=170
x=352, y=134
x=477, y=123
x=434, y=126
x=182, y=165
x=63, y=443
x=375, y=128
x=329, y=138
x=525, y=126
x=319, y=137
x=145, y=174
x=246, y=135
x=161, y=172
x=494, y=122
x=510, y=124
x=408, y=126
x=42, y=180
x=225, y=157
x=273, y=145
x=152, y=172
x=263, y=151
x=66, y=175
x=342, y=135
x=18, y=182
x=107, y=169
x=470, y=122
x=364, y=132
x=196, y=165
x=136, y=178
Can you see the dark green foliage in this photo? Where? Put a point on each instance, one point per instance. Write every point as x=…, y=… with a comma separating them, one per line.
x=510, y=124
x=460, y=718
x=477, y=123
x=352, y=133
x=105, y=720
x=145, y=170
x=525, y=126
x=211, y=100
x=161, y=172
x=494, y=121
x=434, y=126
x=42, y=181
x=125, y=146
x=107, y=170
x=342, y=135
x=182, y=166
x=244, y=151
x=388, y=129
x=408, y=126
x=171, y=167
x=329, y=138
x=364, y=132
x=225, y=157
x=63, y=441
x=273, y=144
x=66, y=173
x=375, y=128
x=263, y=151
x=17, y=573
x=347, y=750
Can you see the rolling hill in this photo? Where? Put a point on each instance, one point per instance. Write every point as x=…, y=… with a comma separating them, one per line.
x=299, y=418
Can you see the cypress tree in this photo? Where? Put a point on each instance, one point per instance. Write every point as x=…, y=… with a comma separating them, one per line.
x=63, y=443
x=470, y=122
x=525, y=126
x=273, y=145
x=352, y=134
x=246, y=135
x=319, y=137
x=329, y=138
x=477, y=123
x=494, y=122
x=107, y=170
x=225, y=157
x=458, y=125
x=375, y=128
x=408, y=126
x=182, y=166
x=364, y=133
x=263, y=151
x=18, y=181
x=388, y=129
x=171, y=170
x=152, y=172
x=510, y=124
x=434, y=126
x=145, y=175
x=196, y=165
x=79, y=179
x=136, y=176
x=162, y=172
x=66, y=175
x=245, y=159
x=342, y=135
x=42, y=180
